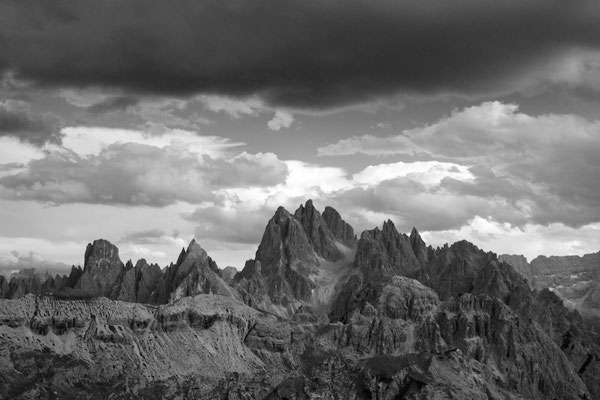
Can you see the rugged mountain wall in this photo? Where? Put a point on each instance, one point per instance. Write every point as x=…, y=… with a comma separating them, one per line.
x=391, y=318
x=105, y=275
x=520, y=264
x=298, y=262
x=575, y=279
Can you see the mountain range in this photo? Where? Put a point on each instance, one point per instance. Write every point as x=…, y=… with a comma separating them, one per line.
x=319, y=313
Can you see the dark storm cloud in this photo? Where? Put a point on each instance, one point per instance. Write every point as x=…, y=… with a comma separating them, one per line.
x=297, y=53
x=16, y=120
x=117, y=103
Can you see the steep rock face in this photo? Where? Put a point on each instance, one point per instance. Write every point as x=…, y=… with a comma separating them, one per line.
x=520, y=264
x=451, y=270
x=103, y=270
x=339, y=228
x=298, y=262
x=385, y=252
x=383, y=317
x=525, y=358
x=278, y=279
x=575, y=279
x=381, y=255
x=419, y=247
x=194, y=273
x=320, y=237
x=140, y=282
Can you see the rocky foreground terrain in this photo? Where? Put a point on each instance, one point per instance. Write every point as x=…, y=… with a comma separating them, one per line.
x=317, y=314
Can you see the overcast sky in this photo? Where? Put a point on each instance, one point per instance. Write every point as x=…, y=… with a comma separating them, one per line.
x=148, y=123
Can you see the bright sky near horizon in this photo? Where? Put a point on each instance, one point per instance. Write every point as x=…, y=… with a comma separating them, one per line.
x=148, y=123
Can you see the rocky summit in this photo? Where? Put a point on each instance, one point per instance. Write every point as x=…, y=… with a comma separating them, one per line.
x=318, y=313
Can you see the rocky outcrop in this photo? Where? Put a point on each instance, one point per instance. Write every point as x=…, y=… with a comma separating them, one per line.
x=103, y=270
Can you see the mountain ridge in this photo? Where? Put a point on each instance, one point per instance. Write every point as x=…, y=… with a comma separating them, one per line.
x=319, y=312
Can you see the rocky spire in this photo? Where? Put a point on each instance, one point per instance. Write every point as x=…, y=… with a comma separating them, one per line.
x=284, y=239
x=317, y=231
x=385, y=252
x=341, y=230
x=419, y=247
x=102, y=271
x=194, y=273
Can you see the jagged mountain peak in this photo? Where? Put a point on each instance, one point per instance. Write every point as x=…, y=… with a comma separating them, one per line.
x=340, y=229
x=100, y=249
x=280, y=213
x=195, y=250
x=318, y=233
x=385, y=252
x=388, y=226
x=419, y=247
x=103, y=269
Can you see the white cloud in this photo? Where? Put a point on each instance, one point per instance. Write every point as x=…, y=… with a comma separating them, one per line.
x=12, y=151
x=282, y=119
x=86, y=140
x=428, y=173
x=139, y=174
x=543, y=168
x=232, y=106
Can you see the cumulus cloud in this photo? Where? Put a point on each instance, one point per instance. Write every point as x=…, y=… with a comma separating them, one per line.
x=409, y=193
x=303, y=54
x=542, y=168
x=137, y=174
x=282, y=119
x=17, y=120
